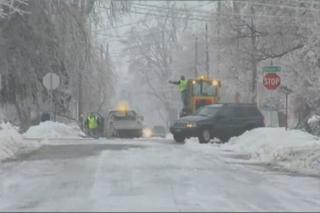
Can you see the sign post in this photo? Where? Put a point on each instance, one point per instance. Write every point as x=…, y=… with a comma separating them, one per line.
x=51, y=81
x=271, y=79
x=286, y=91
x=271, y=69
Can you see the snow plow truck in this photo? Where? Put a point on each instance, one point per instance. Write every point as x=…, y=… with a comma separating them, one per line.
x=200, y=92
x=124, y=123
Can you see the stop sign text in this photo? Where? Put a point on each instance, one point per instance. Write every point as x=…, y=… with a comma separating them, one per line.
x=271, y=81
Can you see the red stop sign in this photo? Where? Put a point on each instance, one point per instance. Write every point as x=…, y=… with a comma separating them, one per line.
x=271, y=81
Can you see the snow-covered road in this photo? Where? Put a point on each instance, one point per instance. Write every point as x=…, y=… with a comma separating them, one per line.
x=147, y=175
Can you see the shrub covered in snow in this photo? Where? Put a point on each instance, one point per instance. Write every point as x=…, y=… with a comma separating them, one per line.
x=12, y=143
x=314, y=124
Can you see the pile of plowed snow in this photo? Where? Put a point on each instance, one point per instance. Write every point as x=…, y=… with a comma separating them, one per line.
x=51, y=129
x=294, y=150
x=12, y=142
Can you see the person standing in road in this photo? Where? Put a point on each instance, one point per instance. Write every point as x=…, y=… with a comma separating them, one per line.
x=92, y=124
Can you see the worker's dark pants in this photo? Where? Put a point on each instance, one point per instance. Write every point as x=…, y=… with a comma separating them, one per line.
x=93, y=132
x=184, y=98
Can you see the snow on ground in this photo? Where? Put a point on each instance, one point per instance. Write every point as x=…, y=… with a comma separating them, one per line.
x=147, y=175
x=293, y=150
x=53, y=130
x=12, y=142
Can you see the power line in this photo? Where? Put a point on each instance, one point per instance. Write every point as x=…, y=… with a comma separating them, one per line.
x=162, y=9
x=166, y=15
x=159, y=11
x=126, y=25
x=203, y=16
x=280, y=6
x=206, y=14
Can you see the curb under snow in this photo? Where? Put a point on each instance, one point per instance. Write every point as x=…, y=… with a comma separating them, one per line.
x=292, y=150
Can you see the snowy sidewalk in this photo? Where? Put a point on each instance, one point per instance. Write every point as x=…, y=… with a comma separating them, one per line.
x=292, y=150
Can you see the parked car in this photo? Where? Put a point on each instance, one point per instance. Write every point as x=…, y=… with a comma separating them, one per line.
x=218, y=120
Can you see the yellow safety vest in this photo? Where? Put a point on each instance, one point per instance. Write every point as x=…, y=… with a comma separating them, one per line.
x=183, y=85
x=92, y=122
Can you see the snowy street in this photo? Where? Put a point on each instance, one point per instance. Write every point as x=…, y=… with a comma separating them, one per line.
x=160, y=106
x=148, y=175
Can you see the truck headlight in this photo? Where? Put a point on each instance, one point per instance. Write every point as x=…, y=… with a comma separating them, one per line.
x=147, y=133
x=191, y=125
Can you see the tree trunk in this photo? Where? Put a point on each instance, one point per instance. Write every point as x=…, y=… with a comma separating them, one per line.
x=254, y=62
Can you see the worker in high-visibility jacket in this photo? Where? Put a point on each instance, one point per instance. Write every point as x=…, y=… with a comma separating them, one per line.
x=92, y=124
x=182, y=84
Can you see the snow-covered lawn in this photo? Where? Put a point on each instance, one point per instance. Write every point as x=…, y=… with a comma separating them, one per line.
x=54, y=130
x=12, y=142
x=294, y=150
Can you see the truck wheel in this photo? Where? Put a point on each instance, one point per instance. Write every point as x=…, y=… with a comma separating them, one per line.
x=179, y=138
x=204, y=136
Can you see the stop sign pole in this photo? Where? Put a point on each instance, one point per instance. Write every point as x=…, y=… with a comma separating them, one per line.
x=271, y=81
x=286, y=91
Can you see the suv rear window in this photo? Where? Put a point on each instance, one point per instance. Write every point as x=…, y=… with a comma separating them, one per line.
x=240, y=111
x=208, y=110
x=252, y=111
x=228, y=112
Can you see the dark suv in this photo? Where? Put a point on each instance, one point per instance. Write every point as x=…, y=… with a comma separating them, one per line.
x=218, y=120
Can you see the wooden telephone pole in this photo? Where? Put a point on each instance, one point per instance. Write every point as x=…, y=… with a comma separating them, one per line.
x=196, y=57
x=207, y=52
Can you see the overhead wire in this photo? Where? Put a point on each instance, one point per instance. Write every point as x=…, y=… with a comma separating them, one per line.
x=206, y=14
x=280, y=6
x=201, y=15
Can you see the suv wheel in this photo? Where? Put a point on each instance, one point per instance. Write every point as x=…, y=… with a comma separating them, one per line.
x=179, y=138
x=204, y=136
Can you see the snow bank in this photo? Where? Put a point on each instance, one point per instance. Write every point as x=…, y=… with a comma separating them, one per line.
x=293, y=149
x=51, y=129
x=12, y=143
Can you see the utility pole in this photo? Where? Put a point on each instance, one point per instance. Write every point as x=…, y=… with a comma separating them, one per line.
x=81, y=70
x=80, y=110
x=287, y=92
x=196, y=57
x=207, y=51
x=107, y=53
x=218, y=35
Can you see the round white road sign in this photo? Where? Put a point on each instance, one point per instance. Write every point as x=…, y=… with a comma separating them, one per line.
x=51, y=81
